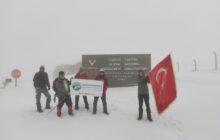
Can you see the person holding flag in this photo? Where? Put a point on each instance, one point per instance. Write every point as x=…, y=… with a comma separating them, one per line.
x=143, y=94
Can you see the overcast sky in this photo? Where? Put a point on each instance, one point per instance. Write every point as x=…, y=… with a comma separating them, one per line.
x=51, y=32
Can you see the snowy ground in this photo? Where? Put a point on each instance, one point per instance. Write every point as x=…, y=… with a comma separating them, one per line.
x=195, y=115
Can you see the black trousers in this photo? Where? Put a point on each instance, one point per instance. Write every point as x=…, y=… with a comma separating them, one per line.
x=66, y=99
x=143, y=98
x=77, y=100
x=103, y=98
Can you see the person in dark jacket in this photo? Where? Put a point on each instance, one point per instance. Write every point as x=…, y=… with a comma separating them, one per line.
x=42, y=85
x=61, y=86
x=81, y=75
x=143, y=94
x=101, y=77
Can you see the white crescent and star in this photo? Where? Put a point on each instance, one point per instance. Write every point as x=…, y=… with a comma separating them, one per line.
x=160, y=71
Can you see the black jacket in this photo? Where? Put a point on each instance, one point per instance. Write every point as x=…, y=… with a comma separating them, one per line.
x=59, y=87
x=142, y=85
x=41, y=80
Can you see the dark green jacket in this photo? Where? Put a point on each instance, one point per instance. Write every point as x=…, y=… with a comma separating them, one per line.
x=41, y=80
x=142, y=85
x=59, y=87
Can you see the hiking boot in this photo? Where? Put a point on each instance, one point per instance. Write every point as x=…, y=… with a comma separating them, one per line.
x=140, y=115
x=39, y=108
x=105, y=112
x=58, y=112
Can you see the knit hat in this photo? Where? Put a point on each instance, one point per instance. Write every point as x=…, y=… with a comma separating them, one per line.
x=61, y=73
x=42, y=68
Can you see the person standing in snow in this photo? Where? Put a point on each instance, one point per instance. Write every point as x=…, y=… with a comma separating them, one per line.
x=81, y=75
x=101, y=77
x=42, y=85
x=61, y=86
x=143, y=94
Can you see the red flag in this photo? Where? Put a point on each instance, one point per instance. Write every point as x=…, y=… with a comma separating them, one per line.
x=163, y=84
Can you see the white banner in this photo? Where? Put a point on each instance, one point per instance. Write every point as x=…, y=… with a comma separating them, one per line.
x=86, y=87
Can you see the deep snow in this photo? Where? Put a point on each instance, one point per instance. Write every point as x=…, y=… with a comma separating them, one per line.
x=195, y=115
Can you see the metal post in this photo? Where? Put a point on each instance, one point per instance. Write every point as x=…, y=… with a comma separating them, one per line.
x=16, y=82
x=216, y=60
x=195, y=63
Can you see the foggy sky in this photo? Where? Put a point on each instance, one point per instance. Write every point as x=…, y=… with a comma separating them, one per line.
x=51, y=32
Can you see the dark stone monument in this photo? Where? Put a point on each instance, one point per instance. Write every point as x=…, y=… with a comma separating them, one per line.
x=121, y=69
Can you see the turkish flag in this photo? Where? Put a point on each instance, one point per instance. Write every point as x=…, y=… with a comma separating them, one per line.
x=163, y=84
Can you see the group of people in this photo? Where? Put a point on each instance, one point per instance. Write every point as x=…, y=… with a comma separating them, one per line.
x=61, y=87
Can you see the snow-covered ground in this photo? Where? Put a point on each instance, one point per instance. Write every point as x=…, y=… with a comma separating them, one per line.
x=195, y=115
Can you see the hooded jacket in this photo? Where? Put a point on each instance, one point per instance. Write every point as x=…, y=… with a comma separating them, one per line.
x=61, y=87
x=41, y=80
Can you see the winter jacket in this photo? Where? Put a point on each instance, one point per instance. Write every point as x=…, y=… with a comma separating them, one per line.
x=105, y=80
x=81, y=76
x=61, y=87
x=41, y=80
x=142, y=85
